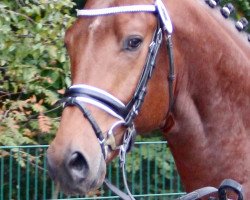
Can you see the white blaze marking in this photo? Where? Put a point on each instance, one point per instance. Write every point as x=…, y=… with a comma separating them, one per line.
x=95, y=24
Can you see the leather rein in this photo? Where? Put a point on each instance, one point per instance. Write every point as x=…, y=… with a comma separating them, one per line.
x=80, y=95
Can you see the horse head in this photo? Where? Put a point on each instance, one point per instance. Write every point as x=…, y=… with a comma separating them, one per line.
x=123, y=80
x=112, y=60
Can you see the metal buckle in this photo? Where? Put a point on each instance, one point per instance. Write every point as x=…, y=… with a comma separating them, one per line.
x=126, y=146
x=229, y=184
x=110, y=140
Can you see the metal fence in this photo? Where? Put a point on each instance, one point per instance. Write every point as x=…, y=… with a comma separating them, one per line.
x=150, y=169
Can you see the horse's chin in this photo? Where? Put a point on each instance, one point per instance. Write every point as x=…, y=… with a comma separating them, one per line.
x=84, y=188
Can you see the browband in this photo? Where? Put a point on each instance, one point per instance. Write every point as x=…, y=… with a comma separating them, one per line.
x=116, y=10
x=158, y=8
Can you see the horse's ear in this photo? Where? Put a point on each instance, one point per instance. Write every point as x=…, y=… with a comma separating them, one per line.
x=169, y=123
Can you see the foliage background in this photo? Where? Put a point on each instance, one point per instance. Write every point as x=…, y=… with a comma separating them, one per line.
x=33, y=67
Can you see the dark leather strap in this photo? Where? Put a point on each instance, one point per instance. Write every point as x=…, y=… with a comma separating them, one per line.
x=197, y=194
x=116, y=190
x=141, y=89
x=171, y=73
x=71, y=101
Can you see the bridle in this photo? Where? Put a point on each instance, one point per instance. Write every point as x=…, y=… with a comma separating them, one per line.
x=80, y=95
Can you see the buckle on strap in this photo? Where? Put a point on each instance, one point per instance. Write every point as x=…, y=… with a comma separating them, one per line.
x=128, y=141
x=110, y=140
x=229, y=184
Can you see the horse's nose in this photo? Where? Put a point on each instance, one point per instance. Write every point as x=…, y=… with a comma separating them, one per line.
x=78, y=166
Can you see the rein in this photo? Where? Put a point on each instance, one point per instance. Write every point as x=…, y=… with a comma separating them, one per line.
x=80, y=95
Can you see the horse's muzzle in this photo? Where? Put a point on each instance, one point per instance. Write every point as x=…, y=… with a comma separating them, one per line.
x=74, y=173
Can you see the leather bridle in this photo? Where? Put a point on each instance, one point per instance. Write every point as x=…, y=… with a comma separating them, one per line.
x=80, y=95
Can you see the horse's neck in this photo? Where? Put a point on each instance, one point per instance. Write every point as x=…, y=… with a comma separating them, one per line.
x=211, y=136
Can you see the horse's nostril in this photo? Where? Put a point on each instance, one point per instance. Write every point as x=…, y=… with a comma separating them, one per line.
x=78, y=166
x=77, y=161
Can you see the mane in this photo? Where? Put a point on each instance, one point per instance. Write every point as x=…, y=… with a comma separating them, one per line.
x=227, y=23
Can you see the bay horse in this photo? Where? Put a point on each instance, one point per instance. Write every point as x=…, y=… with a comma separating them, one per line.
x=201, y=106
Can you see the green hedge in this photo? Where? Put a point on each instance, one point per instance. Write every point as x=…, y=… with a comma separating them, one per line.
x=33, y=67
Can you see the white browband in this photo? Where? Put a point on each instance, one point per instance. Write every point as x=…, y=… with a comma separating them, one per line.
x=116, y=10
x=158, y=7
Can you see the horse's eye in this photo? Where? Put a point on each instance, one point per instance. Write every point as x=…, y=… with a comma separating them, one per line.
x=132, y=43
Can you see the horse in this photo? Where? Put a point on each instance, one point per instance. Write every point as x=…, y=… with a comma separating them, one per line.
x=201, y=105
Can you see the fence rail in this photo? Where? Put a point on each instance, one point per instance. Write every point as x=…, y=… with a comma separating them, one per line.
x=150, y=169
